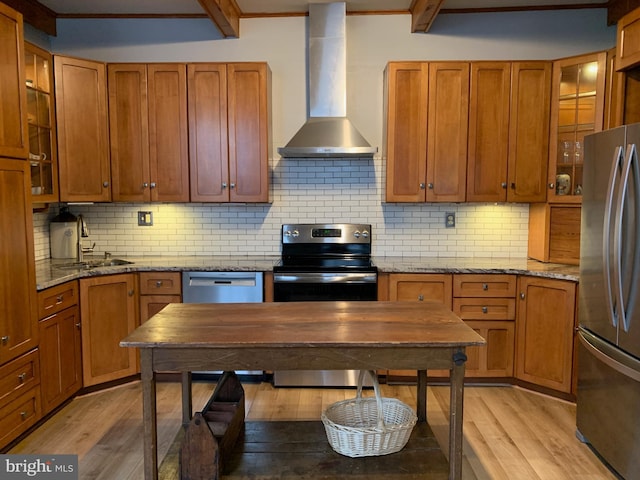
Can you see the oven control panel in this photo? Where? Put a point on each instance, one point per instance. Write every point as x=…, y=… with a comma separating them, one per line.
x=326, y=233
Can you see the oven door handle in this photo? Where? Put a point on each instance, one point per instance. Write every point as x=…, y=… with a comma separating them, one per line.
x=325, y=277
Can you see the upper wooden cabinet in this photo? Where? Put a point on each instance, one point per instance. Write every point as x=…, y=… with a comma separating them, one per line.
x=43, y=152
x=577, y=109
x=628, y=44
x=13, y=114
x=148, y=132
x=459, y=131
x=229, y=131
x=427, y=110
x=508, y=131
x=83, y=132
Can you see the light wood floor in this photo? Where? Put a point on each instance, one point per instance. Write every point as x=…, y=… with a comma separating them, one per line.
x=509, y=433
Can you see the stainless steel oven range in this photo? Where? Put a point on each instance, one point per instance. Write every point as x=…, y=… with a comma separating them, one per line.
x=324, y=262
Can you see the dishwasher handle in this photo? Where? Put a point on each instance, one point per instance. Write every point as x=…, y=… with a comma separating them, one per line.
x=213, y=281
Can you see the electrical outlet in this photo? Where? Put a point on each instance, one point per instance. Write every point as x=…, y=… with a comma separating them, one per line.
x=145, y=219
x=450, y=220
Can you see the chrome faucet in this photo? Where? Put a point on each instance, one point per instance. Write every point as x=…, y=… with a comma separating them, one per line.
x=83, y=232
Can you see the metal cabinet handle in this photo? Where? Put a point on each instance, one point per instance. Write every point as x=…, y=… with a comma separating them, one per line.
x=152, y=184
x=522, y=296
x=485, y=310
x=430, y=185
x=4, y=340
x=233, y=185
x=59, y=299
x=422, y=186
x=159, y=283
x=513, y=185
x=145, y=185
x=503, y=184
x=78, y=325
x=22, y=377
x=421, y=297
x=224, y=184
x=23, y=415
x=552, y=186
x=131, y=292
x=485, y=287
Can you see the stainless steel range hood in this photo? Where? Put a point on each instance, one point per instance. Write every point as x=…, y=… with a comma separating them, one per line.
x=328, y=132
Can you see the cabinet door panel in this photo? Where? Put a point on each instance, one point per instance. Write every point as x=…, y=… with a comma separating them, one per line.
x=529, y=132
x=168, y=137
x=208, y=144
x=406, y=105
x=18, y=316
x=545, y=330
x=83, y=133
x=13, y=115
x=488, y=131
x=447, y=132
x=129, y=132
x=108, y=314
x=248, y=113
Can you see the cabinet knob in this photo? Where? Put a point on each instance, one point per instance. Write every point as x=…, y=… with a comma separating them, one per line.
x=485, y=309
x=105, y=184
x=78, y=325
x=552, y=186
x=145, y=185
x=422, y=186
x=59, y=299
x=420, y=297
x=159, y=283
x=152, y=184
x=233, y=185
x=485, y=287
x=513, y=186
x=224, y=184
x=522, y=296
x=131, y=292
x=503, y=184
x=23, y=415
x=4, y=340
x=430, y=185
x=22, y=377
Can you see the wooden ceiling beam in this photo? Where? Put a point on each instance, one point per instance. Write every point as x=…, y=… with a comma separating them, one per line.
x=225, y=14
x=35, y=14
x=423, y=13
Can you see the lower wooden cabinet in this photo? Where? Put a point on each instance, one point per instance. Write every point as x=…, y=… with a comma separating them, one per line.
x=19, y=396
x=157, y=290
x=545, y=332
x=109, y=312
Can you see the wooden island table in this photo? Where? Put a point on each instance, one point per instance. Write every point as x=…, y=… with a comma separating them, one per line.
x=303, y=336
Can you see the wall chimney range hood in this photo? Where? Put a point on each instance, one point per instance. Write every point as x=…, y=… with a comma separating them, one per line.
x=327, y=132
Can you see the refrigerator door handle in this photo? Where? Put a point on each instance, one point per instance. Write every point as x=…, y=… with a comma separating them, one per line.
x=607, y=230
x=632, y=153
x=626, y=365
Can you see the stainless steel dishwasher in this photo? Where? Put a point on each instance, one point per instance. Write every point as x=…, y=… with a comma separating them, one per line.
x=224, y=287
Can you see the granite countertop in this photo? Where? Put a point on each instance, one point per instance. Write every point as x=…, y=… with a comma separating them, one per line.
x=49, y=273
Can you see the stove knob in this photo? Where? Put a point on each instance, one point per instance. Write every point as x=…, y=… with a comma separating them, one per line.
x=356, y=234
x=365, y=234
x=287, y=233
x=295, y=233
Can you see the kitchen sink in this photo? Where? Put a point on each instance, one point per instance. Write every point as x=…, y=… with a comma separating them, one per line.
x=107, y=262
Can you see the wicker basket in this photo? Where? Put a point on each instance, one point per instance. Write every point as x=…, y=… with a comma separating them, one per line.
x=372, y=426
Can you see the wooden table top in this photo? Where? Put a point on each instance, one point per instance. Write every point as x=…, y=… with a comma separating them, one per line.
x=304, y=324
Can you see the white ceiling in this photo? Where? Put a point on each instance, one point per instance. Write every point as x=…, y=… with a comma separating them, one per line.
x=257, y=7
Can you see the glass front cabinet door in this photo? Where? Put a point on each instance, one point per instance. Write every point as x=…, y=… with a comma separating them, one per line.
x=577, y=110
x=41, y=122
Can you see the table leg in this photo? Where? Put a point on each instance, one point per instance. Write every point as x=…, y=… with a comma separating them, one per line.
x=148, y=380
x=421, y=407
x=187, y=398
x=455, y=415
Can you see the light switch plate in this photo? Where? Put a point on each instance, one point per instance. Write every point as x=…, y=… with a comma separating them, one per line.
x=145, y=219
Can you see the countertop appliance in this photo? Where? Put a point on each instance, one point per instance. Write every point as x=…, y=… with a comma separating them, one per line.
x=324, y=262
x=608, y=397
x=224, y=287
x=63, y=233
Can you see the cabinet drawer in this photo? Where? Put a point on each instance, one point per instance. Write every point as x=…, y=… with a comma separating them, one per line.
x=17, y=416
x=55, y=299
x=18, y=376
x=485, y=308
x=160, y=283
x=480, y=285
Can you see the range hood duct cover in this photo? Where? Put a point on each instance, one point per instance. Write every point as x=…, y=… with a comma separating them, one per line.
x=328, y=132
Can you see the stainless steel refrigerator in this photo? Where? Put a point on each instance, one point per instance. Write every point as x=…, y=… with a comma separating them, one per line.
x=608, y=397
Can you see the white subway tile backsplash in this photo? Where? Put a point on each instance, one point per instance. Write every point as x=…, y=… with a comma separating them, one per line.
x=321, y=190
